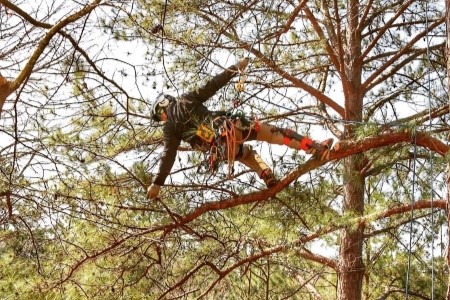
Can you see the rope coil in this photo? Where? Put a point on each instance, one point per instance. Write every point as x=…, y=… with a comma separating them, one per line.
x=224, y=145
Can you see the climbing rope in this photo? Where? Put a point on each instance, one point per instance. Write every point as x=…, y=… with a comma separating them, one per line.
x=430, y=174
x=223, y=139
x=413, y=199
x=156, y=29
x=230, y=140
x=228, y=129
x=430, y=152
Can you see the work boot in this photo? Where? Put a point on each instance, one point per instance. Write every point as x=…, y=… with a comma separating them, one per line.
x=322, y=149
x=269, y=178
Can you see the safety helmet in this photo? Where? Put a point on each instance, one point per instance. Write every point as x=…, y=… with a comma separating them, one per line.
x=161, y=103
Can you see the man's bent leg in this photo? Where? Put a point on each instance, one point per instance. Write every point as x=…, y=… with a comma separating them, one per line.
x=252, y=160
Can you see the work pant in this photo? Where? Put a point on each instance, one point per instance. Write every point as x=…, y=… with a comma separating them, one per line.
x=266, y=133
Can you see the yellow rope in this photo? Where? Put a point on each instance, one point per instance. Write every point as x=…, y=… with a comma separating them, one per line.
x=240, y=84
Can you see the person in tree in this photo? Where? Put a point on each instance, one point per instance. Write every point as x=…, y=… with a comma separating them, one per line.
x=188, y=119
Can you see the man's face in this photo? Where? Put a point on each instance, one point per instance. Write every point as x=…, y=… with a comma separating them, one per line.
x=161, y=113
x=163, y=116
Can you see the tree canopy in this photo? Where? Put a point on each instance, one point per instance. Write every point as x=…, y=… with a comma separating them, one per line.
x=78, y=150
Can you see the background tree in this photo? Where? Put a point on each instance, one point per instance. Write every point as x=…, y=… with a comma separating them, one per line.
x=367, y=72
x=51, y=63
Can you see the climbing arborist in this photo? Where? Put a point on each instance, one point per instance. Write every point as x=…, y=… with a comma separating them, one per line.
x=187, y=119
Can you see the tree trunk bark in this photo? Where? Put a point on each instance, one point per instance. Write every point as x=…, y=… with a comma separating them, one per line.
x=448, y=229
x=351, y=267
x=447, y=53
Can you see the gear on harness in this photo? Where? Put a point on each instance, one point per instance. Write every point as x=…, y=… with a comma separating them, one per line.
x=223, y=141
x=240, y=84
x=213, y=159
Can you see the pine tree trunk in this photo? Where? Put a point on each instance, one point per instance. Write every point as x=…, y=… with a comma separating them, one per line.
x=447, y=52
x=351, y=267
x=351, y=273
x=448, y=233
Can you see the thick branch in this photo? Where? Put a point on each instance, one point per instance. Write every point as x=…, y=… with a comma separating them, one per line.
x=346, y=148
x=328, y=229
x=319, y=259
x=10, y=87
x=422, y=139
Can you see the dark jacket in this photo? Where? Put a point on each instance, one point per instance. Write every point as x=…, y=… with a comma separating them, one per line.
x=184, y=117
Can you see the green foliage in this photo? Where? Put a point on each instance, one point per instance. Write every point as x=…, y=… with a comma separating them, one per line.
x=77, y=152
x=366, y=130
x=447, y=157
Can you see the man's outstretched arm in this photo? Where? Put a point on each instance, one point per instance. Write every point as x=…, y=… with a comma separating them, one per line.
x=208, y=90
x=168, y=156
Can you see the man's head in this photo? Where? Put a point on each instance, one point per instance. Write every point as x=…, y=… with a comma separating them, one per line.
x=159, y=108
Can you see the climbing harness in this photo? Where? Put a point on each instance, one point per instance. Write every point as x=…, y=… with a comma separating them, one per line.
x=224, y=142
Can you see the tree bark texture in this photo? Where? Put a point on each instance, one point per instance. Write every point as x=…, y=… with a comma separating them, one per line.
x=351, y=267
x=447, y=52
x=448, y=224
